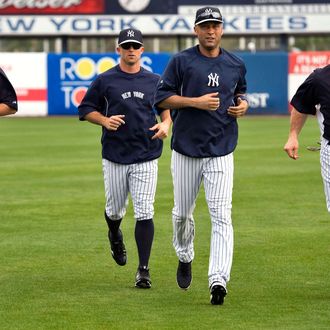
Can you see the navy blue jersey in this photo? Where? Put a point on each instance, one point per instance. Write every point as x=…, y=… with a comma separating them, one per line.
x=7, y=91
x=200, y=133
x=115, y=92
x=313, y=91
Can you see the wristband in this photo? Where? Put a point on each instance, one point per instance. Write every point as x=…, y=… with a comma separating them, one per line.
x=242, y=97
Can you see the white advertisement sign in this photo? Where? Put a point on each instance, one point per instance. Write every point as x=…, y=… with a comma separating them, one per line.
x=28, y=74
x=161, y=24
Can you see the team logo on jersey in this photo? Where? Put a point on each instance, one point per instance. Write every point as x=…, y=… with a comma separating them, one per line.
x=128, y=95
x=130, y=33
x=213, y=80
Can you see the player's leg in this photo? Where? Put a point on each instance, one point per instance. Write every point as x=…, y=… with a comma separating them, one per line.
x=186, y=174
x=325, y=169
x=142, y=183
x=116, y=195
x=218, y=184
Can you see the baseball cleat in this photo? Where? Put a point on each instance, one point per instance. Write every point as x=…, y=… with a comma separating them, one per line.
x=142, y=278
x=218, y=293
x=183, y=275
x=117, y=248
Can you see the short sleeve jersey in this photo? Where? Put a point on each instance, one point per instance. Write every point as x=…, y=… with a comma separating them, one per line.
x=315, y=90
x=115, y=92
x=7, y=91
x=199, y=133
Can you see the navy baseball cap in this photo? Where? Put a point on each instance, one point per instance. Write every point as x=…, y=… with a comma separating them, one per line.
x=208, y=14
x=130, y=35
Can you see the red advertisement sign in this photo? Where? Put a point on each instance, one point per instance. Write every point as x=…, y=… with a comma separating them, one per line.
x=306, y=62
x=23, y=7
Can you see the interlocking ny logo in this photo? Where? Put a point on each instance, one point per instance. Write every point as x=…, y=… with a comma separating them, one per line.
x=208, y=11
x=213, y=80
x=130, y=33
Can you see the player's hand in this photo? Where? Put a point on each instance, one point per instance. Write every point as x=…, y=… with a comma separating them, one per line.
x=114, y=122
x=209, y=101
x=161, y=130
x=291, y=148
x=238, y=110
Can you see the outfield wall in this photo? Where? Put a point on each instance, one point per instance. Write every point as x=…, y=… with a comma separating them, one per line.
x=54, y=84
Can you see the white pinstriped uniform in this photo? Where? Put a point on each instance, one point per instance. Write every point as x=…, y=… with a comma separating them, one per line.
x=217, y=176
x=140, y=180
x=324, y=158
x=325, y=169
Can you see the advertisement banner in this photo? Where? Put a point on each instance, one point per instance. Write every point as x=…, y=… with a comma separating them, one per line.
x=28, y=75
x=38, y=7
x=54, y=84
x=69, y=76
x=86, y=25
x=267, y=81
x=302, y=64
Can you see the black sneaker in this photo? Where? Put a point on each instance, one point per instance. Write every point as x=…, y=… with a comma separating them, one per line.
x=117, y=248
x=142, y=278
x=218, y=293
x=183, y=275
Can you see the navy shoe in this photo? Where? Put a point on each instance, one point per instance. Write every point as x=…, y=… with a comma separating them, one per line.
x=183, y=275
x=142, y=278
x=117, y=248
x=218, y=293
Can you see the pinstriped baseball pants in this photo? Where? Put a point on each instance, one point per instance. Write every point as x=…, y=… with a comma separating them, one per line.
x=216, y=173
x=140, y=180
x=325, y=169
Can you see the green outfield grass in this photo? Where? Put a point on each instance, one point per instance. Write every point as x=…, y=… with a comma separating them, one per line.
x=56, y=271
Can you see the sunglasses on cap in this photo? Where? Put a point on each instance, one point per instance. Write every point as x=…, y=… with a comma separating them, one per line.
x=128, y=45
x=213, y=14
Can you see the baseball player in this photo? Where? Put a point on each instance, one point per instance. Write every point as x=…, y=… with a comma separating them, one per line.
x=313, y=98
x=205, y=86
x=121, y=101
x=8, y=98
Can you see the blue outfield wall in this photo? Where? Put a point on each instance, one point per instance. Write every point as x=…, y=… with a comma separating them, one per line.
x=69, y=76
x=267, y=80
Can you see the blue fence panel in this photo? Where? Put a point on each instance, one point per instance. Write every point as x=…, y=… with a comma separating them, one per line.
x=267, y=79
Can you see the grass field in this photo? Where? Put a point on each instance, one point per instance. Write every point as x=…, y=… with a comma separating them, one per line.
x=56, y=271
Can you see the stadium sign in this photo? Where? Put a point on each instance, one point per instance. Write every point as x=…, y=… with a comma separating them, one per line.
x=301, y=64
x=31, y=93
x=159, y=24
x=19, y=7
x=258, y=100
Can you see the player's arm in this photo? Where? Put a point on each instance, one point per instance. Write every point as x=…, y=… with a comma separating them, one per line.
x=110, y=123
x=168, y=93
x=210, y=101
x=163, y=127
x=8, y=98
x=6, y=110
x=93, y=101
x=297, y=121
x=241, y=106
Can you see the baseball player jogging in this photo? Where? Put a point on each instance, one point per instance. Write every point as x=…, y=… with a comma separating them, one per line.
x=121, y=101
x=313, y=97
x=206, y=86
x=8, y=98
